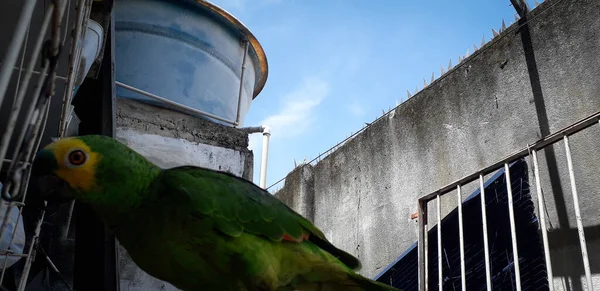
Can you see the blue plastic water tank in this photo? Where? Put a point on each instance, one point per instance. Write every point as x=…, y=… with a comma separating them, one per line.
x=190, y=52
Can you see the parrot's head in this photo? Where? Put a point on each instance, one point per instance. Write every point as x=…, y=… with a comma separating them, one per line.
x=65, y=167
x=93, y=169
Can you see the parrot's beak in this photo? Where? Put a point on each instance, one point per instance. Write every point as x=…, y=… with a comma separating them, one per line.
x=46, y=184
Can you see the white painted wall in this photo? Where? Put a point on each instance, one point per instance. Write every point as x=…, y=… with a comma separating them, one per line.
x=168, y=152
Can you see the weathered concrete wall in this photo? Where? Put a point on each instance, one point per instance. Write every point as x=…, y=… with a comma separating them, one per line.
x=172, y=139
x=510, y=93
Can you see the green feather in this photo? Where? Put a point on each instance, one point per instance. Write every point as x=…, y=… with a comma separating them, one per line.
x=201, y=229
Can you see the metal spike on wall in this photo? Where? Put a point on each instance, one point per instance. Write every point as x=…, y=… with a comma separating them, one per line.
x=460, y=59
x=450, y=65
x=516, y=17
x=424, y=83
x=536, y=3
x=442, y=70
x=475, y=48
x=482, y=40
x=432, y=77
x=416, y=89
x=495, y=33
x=503, y=25
x=408, y=95
x=468, y=53
x=397, y=103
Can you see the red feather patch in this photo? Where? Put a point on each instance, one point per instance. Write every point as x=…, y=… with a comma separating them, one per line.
x=286, y=237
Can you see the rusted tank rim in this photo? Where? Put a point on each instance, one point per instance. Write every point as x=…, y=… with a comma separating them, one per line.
x=260, y=53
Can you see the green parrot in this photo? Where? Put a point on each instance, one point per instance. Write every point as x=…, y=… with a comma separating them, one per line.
x=195, y=228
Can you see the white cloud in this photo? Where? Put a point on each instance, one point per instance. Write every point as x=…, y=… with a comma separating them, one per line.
x=297, y=114
x=357, y=109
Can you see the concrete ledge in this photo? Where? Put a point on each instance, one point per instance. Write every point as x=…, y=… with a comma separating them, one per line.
x=155, y=120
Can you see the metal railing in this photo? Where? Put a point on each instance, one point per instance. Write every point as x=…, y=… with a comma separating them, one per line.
x=531, y=151
x=25, y=138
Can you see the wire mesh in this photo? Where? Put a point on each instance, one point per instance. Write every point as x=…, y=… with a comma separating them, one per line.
x=40, y=34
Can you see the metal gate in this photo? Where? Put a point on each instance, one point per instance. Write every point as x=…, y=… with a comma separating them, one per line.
x=530, y=152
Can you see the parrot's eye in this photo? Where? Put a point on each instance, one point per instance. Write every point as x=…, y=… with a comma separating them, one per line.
x=76, y=157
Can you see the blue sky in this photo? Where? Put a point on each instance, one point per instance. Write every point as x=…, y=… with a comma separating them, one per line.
x=335, y=64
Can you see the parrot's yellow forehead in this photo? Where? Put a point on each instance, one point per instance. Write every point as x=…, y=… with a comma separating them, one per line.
x=76, y=162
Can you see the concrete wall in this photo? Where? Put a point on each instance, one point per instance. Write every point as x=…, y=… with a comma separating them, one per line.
x=516, y=89
x=172, y=139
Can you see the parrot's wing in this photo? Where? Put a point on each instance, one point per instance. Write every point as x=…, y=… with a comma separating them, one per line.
x=237, y=205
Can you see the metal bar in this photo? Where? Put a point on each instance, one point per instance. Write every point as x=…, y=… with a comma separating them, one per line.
x=20, y=75
x=542, y=216
x=439, y=236
x=548, y=140
x=16, y=108
x=31, y=252
x=180, y=106
x=422, y=245
x=74, y=60
x=584, y=252
x=13, y=49
x=461, y=237
x=486, y=248
x=513, y=228
x=242, y=75
x=36, y=73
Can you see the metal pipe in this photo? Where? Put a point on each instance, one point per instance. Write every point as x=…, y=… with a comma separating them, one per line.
x=548, y=140
x=513, y=228
x=422, y=245
x=35, y=72
x=242, y=75
x=16, y=108
x=74, y=61
x=264, y=157
x=461, y=237
x=173, y=103
x=252, y=129
x=486, y=248
x=584, y=252
x=439, y=235
x=13, y=49
x=542, y=216
x=31, y=252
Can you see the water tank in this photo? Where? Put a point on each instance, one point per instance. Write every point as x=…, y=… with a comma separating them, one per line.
x=190, y=52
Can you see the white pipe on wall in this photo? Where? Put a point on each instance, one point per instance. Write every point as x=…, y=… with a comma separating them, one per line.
x=265, y=157
x=266, y=131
